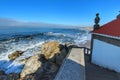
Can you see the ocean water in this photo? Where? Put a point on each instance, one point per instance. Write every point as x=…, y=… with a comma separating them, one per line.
x=30, y=40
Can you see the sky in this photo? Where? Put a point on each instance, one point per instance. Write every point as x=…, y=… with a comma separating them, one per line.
x=67, y=12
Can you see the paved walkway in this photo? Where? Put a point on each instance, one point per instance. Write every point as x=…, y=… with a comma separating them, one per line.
x=73, y=67
x=94, y=72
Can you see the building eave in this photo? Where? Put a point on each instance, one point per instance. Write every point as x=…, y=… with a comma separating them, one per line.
x=105, y=35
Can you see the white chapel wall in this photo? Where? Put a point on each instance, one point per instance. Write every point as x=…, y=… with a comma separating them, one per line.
x=106, y=55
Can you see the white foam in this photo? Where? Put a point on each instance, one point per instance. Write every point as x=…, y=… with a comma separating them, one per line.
x=15, y=66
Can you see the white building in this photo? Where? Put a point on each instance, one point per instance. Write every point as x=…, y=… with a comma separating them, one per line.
x=106, y=45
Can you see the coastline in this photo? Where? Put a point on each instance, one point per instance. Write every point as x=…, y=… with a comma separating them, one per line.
x=16, y=76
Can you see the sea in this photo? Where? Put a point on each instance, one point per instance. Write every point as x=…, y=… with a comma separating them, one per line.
x=30, y=40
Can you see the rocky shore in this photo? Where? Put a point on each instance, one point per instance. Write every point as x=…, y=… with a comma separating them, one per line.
x=42, y=66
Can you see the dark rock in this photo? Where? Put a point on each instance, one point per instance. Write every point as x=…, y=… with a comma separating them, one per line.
x=60, y=57
x=30, y=77
x=13, y=76
x=63, y=52
x=3, y=77
x=29, y=37
x=50, y=67
x=49, y=71
x=42, y=58
x=2, y=73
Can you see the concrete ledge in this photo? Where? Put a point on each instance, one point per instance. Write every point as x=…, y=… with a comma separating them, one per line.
x=73, y=67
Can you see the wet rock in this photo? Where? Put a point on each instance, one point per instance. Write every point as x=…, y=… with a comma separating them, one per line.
x=49, y=49
x=3, y=77
x=2, y=73
x=15, y=55
x=13, y=76
x=29, y=37
x=29, y=77
x=23, y=60
x=31, y=66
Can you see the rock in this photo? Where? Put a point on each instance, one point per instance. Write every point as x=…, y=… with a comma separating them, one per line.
x=23, y=60
x=29, y=77
x=3, y=77
x=50, y=67
x=49, y=71
x=60, y=57
x=49, y=49
x=31, y=66
x=54, y=52
x=70, y=46
x=15, y=55
x=63, y=52
x=29, y=37
x=42, y=58
x=13, y=76
x=2, y=73
x=38, y=74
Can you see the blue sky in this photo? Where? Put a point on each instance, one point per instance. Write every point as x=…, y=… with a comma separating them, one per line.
x=68, y=12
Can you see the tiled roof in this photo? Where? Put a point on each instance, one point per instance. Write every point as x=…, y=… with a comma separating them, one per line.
x=111, y=29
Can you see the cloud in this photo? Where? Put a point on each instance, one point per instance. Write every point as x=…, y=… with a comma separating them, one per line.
x=7, y=22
